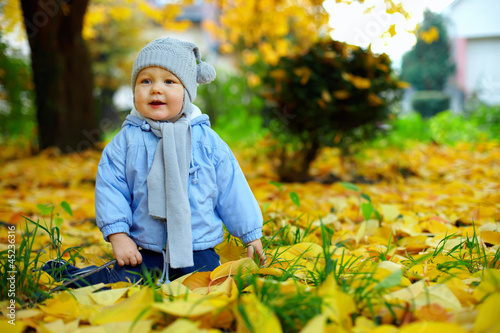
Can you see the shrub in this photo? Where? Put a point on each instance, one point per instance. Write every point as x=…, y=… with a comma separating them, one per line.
x=449, y=128
x=405, y=130
x=332, y=95
x=487, y=119
x=430, y=102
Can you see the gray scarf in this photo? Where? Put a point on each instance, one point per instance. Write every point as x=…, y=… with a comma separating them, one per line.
x=167, y=183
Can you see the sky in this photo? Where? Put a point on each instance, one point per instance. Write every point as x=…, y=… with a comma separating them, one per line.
x=351, y=25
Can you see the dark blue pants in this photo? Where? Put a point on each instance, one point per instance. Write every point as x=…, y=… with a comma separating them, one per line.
x=152, y=262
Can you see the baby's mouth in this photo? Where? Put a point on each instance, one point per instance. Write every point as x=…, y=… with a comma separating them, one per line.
x=156, y=103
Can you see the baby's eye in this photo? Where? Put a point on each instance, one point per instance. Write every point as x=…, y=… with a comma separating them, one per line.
x=146, y=81
x=169, y=81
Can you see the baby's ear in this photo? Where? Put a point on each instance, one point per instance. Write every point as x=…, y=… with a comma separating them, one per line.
x=205, y=73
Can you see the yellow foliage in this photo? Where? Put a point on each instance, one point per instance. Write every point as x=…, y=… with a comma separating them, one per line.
x=271, y=22
x=11, y=15
x=259, y=316
x=357, y=81
x=341, y=94
x=430, y=36
x=450, y=187
x=253, y=79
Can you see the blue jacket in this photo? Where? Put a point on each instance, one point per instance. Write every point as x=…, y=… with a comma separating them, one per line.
x=217, y=189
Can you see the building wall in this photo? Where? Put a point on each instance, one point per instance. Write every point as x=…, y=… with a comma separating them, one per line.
x=474, y=29
x=474, y=18
x=482, y=70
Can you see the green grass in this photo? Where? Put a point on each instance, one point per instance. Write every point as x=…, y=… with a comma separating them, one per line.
x=480, y=124
x=26, y=260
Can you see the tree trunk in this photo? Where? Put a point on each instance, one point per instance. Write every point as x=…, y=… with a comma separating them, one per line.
x=61, y=73
x=294, y=166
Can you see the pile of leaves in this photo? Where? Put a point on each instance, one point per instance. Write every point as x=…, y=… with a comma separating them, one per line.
x=414, y=248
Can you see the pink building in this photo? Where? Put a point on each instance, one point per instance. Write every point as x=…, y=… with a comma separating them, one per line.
x=474, y=29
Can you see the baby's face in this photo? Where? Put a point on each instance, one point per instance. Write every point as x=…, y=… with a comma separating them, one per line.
x=159, y=94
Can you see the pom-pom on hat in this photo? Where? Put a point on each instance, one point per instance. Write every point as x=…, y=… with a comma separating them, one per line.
x=181, y=58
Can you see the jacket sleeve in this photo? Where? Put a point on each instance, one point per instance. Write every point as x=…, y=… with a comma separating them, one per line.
x=236, y=204
x=112, y=194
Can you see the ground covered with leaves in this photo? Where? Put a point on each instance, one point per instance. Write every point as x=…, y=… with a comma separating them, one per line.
x=414, y=247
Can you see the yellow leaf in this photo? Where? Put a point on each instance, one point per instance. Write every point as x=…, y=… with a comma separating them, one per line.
x=183, y=308
x=389, y=265
x=389, y=212
x=403, y=85
x=460, y=290
x=392, y=30
x=5, y=326
x=230, y=251
x=253, y=80
x=303, y=250
x=278, y=74
x=430, y=36
x=197, y=280
x=374, y=100
x=337, y=305
x=431, y=327
x=409, y=293
x=361, y=232
x=270, y=271
x=491, y=237
x=325, y=95
x=82, y=295
x=59, y=326
x=27, y=313
x=439, y=294
x=364, y=324
x=183, y=326
x=228, y=288
x=341, y=94
x=242, y=266
x=490, y=284
x=174, y=288
x=262, y=319
x=140, y=326
x=108, y=297
x=63, y=305
x=487, y=319
x=385, y=329
x=120, y=13
x=357, y=81
x=316, y=324
x=304, y=73
x=140, y=303
x=249, y=57
x=433, y=312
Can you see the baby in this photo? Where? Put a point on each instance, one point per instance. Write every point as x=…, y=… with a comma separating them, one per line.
x=167, y=183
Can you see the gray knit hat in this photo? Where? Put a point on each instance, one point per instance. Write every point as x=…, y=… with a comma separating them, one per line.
x=181, y=58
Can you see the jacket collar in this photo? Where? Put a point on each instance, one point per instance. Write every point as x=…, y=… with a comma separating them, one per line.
x=198, y=119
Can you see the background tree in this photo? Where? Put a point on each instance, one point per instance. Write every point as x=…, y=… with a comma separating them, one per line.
x=428, y=64
x=61, y=73
x=61, y=64
x=333, y=95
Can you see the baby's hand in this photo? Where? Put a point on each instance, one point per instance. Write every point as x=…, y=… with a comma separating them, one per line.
x=255, y=248
x=125, y=250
